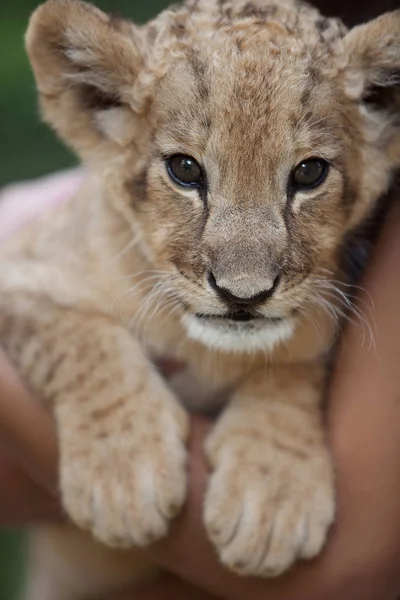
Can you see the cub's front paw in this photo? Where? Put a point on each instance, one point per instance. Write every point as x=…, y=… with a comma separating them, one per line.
x=125, y=485
x=268, y=504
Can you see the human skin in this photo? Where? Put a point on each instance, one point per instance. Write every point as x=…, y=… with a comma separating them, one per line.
x=361, y=559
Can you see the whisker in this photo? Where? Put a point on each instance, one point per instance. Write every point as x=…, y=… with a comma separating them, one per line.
x=124, y=250
x=330, y=288
x=140, y=273
x=136, y=289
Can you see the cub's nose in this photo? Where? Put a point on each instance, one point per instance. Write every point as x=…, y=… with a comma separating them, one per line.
x=228, y=296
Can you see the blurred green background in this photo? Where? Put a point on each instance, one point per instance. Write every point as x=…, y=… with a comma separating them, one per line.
x=29, y=149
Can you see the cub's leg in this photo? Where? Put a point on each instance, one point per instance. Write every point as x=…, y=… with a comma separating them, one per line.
x=121, y=433
x=68, y=564
x=271, y=496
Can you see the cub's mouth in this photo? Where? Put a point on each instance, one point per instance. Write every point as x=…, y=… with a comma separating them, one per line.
x=238, y=331
x=239, y=316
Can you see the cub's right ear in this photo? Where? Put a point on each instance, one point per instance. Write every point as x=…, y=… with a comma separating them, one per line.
x=372, y=77
x=86, y=64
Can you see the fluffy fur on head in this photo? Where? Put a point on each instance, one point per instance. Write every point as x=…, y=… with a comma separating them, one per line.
x=249, y=90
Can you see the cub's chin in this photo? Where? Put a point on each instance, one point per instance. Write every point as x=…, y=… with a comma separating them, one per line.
x=229, y=335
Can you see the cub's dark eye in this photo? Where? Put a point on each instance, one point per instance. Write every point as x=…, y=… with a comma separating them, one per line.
x=309, y=174
x=185, y=170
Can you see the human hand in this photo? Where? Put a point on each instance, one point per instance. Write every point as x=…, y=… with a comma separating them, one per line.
x=28, y=454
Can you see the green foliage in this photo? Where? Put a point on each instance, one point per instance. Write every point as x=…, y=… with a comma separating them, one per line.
x=12, y=565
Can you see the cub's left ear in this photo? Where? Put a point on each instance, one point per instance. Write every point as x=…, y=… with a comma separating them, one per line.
x=373, y=72
x=86, y=65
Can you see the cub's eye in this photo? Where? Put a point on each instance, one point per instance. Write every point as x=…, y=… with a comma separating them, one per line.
x=185, y=170
x=309, y=174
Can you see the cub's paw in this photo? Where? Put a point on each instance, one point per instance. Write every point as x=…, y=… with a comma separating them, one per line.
x=268, y=504
x=126, y=485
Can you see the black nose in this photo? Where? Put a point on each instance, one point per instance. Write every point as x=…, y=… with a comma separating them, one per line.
x=227, y=295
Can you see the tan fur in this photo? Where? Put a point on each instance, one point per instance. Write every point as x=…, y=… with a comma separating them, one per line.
x=95, y=291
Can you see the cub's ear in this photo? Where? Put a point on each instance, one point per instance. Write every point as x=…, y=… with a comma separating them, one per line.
x=86, y=64
x=373, y=73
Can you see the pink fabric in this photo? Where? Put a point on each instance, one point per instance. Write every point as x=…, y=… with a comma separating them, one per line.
x=22, y=202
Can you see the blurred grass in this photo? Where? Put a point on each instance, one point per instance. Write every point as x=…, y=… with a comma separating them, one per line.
x=29, y=149
x=12, y=562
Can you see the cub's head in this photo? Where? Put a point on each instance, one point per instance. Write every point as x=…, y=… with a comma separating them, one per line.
x=242, y=140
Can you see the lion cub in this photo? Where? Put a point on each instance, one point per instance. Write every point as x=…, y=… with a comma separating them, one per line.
x=229, y=149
